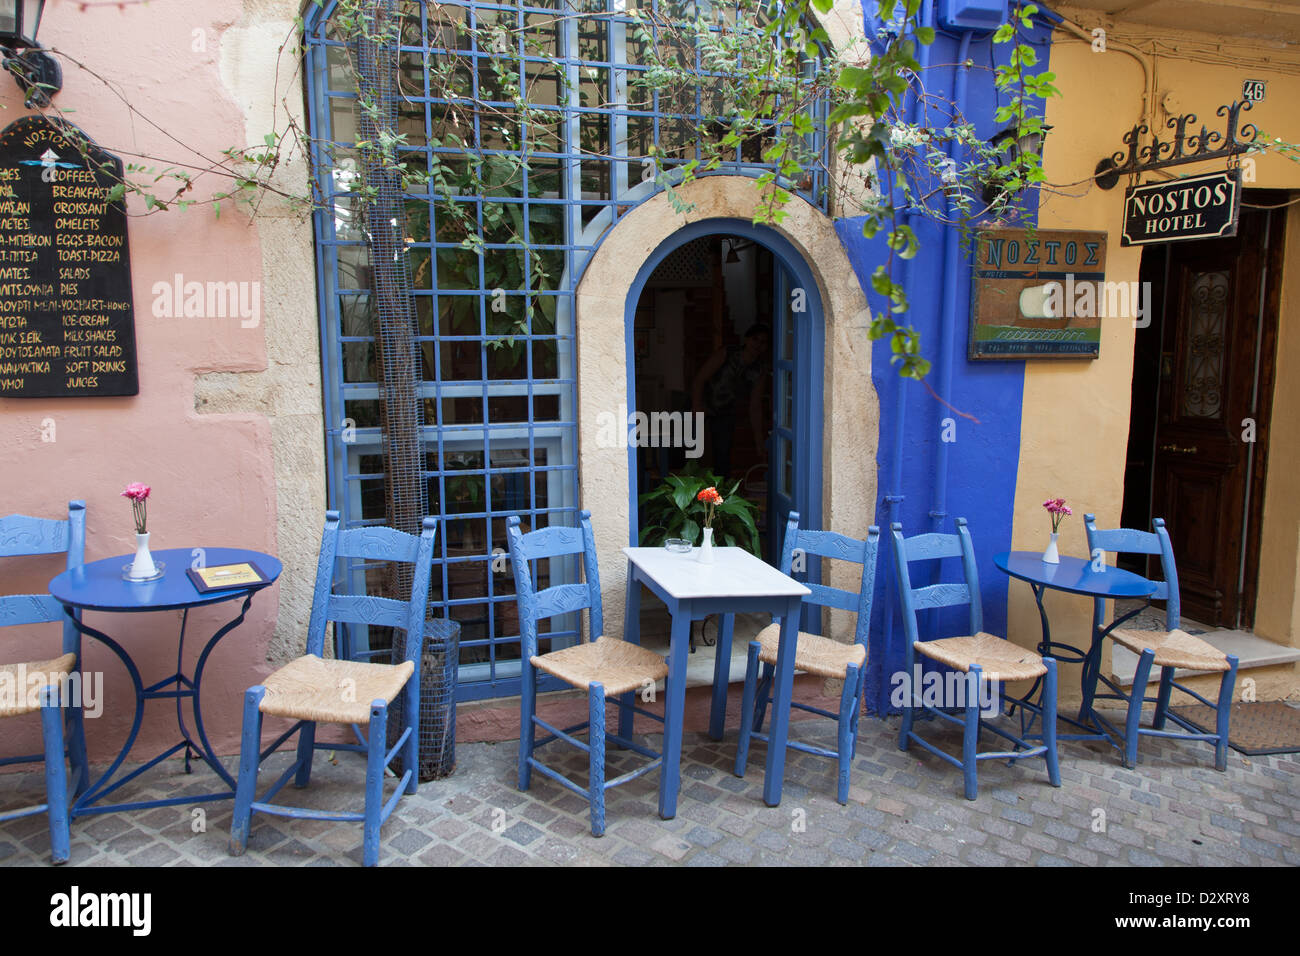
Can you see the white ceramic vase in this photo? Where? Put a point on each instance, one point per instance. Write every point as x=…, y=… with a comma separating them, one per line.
x=706, y=547
x=1051, y=555
x=142, y=567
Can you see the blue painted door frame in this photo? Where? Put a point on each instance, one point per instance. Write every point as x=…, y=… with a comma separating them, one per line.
x=810, y=346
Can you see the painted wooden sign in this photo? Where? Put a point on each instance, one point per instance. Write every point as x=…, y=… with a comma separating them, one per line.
x=1041, y=294
x=1198, y=207
x=67, y=320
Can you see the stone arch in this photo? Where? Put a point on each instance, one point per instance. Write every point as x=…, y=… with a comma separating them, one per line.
x=851, y=422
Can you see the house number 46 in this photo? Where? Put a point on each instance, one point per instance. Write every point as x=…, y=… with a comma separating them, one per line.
x=1252, y=90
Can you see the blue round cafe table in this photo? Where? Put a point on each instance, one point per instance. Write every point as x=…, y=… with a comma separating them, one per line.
x=99, y=586
x=1093, y=579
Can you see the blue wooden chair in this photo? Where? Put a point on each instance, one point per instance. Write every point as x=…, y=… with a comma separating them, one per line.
x=1168, y=649
x=980, y=656
x=313, y=689
x=815, y=654
x=23, y=536
x=604, y=666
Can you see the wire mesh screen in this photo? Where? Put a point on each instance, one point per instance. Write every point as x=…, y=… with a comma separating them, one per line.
x=438, y=700
x=401, y=406
x=401, y=409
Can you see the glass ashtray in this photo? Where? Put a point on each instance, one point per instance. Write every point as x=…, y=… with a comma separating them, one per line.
x=677, y=545
x=159, y=566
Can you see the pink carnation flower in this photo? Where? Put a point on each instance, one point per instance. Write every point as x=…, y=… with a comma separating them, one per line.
x=137, y=491
x=1058, y=510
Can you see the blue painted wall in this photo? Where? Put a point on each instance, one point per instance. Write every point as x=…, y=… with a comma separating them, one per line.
x=982, y=461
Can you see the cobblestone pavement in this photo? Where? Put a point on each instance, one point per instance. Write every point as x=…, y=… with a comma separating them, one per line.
x=904, y=809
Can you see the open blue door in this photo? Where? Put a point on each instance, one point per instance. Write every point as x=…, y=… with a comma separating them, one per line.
x=781, y=445
x=794, y=482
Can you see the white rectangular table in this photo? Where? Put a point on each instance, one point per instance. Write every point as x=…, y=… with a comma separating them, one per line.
x=735, y=581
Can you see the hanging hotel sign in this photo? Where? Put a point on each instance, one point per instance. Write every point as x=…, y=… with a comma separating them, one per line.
x=67, y=320
x=1042, y=294
x=1198, y=207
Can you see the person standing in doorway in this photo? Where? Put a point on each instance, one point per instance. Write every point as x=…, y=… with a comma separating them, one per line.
x=732, y=375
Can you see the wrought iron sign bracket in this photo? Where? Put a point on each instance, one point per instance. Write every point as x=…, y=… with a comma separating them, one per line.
x=1183, y=149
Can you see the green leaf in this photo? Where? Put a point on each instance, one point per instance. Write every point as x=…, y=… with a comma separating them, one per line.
x=881, y=282
x=847, y=111
x=651, y=530
x=853, y=78
x=690, y=530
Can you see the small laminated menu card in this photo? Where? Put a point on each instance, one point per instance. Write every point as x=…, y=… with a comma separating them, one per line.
x=221, y=577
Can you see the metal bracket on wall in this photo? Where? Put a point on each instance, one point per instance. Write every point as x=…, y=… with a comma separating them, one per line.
x=1184, y=149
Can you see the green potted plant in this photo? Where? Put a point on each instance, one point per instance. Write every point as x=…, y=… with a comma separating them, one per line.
x=674, y=510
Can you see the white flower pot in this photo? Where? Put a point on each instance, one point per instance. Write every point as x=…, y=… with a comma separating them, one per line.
x=1051, y=555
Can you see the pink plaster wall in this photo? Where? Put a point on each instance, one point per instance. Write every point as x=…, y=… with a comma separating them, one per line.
x=212, y=475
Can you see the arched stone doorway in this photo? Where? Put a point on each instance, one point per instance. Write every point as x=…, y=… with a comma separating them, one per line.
x=846, y=467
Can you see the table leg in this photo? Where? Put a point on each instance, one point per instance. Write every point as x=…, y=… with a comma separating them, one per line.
x=93, y=791
x=75, y=723
x=631, y=634
x=782, y=692
x=1091, y=667
x=209, y=756
x=1045, y=645
x=1092, y=662
x=721, y=677
x=180, y=683
x=674, y=710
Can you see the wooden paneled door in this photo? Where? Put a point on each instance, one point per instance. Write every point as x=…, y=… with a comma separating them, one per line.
x=1212, y=422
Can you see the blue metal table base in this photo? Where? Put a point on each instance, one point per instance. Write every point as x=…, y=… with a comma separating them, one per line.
x=1095, y=725
x=179, y=687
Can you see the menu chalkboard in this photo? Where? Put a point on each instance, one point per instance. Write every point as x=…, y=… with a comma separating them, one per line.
x=67, y=321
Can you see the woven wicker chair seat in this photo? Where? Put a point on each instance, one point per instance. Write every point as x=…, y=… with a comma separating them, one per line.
x=997, y=659
x=313, y=688
x=616, y=664
x=32, y=675
x=814, y=655
x=1173, y=649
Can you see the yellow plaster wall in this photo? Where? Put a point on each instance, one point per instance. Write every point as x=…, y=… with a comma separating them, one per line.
x=1076, y=413
x=1278, y=611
